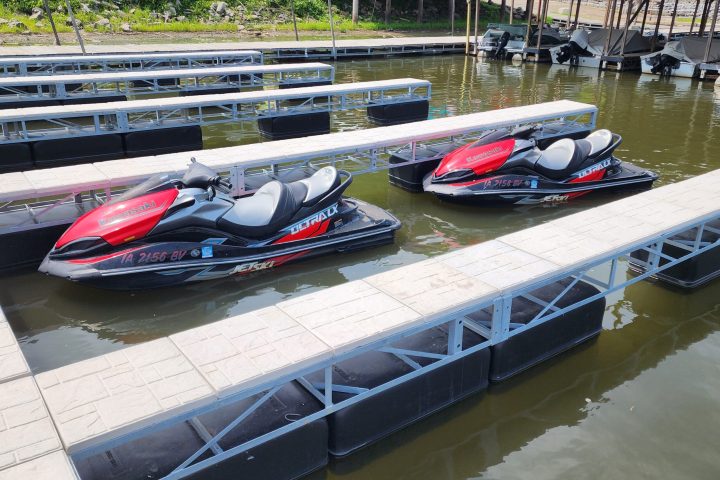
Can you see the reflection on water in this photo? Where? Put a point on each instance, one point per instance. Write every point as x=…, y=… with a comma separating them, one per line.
x=650, y=377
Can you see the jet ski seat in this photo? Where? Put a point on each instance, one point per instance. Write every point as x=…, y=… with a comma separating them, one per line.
x=600, y=140
x=275, y=203
x=321, y=182
x=563, y=158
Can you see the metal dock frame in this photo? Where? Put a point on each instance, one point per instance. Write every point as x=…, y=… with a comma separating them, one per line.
x=151, y=82
x=68, y=64
x=320, y=53
x=42, y=123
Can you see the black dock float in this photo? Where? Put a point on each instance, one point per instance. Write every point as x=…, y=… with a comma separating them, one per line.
x=380, y=415
x=544, y=341
x=692, y=273
x=397, y=113
x=164, y=140
x=294, y=126
x=74, y=151
x=290, y=456
x=15, y=157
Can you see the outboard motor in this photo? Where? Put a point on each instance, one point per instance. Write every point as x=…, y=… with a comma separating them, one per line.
x=577, y=46
x=502, y=43
x=664, y=64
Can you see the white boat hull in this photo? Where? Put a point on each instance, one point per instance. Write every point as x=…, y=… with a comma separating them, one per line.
x=685, y=69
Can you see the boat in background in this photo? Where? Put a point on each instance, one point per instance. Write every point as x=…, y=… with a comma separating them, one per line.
x=681, y=58
x=503, y=40
x=585, y=49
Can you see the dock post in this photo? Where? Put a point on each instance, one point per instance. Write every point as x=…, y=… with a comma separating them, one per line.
x=694, y=17
x=645, y=13
x=328, y=387
x=577, y=15
x=455, y=336
x=630, y=18
x=477, y=20
x=712, y=32
x=529, y=20
x=52, y=21
x=657, y=25
x=467, y=27
x=332, y=30
x=672, y=21
x=500, y=325
x=606, y=48
x=237, y=178
x=75, y=27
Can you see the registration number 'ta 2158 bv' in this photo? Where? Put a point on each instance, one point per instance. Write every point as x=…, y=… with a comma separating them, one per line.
x=153, y=257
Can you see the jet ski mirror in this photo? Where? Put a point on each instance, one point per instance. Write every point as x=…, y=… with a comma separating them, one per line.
x=525, y=131
x=201, y=176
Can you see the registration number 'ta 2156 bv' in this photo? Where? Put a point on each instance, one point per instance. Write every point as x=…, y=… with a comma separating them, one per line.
x=153, y=257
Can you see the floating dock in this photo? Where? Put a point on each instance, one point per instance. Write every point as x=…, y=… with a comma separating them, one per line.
x=44, y=63
x=55, y=122
x=40, y=137
x=24, y=91
x=275, y=50
x=466, y=300
x=47, y=200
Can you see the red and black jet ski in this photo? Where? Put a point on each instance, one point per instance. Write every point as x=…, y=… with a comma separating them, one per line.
x=169, y=231
x=506, y=166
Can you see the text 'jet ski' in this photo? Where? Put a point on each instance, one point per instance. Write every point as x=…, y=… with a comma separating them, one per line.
x=168, y=231
x=506, y=166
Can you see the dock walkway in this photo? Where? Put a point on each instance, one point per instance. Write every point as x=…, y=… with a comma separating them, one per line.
x=56, y=122
x=31, y=88
x=43, y=63
x=308, y=49
x=100, y=403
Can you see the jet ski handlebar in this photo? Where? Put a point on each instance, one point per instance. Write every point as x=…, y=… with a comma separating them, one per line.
x=201, y=176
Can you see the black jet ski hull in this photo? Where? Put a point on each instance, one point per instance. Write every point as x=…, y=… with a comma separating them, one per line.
x=530, y=190
x=169, y=263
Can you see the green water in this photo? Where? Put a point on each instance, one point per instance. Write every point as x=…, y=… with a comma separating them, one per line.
x=640, y=402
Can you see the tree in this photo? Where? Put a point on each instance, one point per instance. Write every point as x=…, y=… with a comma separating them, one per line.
x=420, y=11
x=388, y=6
x=355, y=8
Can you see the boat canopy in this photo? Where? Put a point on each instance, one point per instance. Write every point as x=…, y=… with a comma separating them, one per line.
x=692, y=50
x=550, y=36
x=516, y=31
x=594, y=41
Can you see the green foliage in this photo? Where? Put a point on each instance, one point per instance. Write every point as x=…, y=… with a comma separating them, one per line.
x=310, y=8
x=255, y=15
